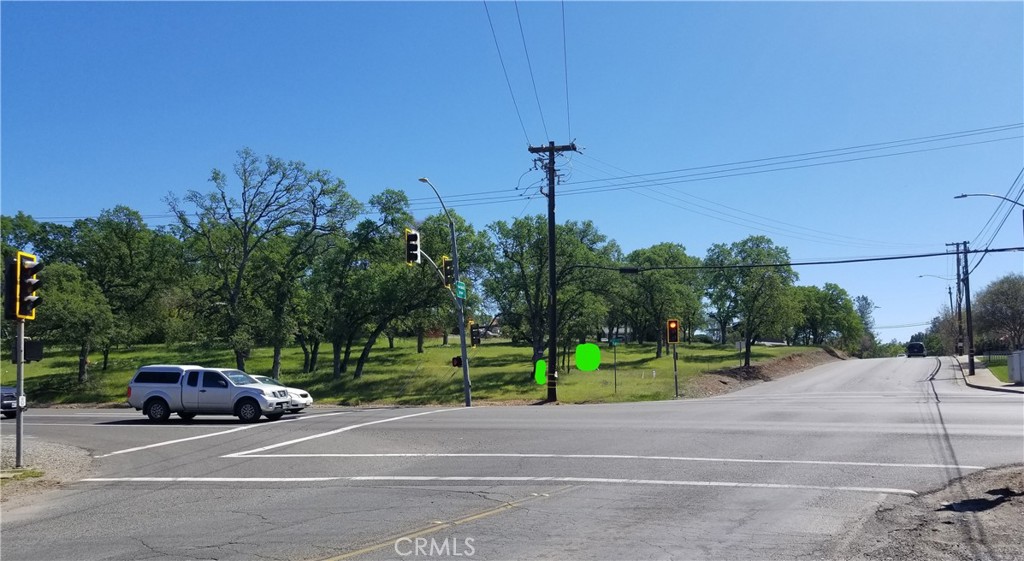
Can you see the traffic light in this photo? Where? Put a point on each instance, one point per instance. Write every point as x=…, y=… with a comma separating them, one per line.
x=474, y=333
x=412, y=247
x=26, y=269
x=448, y=269
x=673, y=331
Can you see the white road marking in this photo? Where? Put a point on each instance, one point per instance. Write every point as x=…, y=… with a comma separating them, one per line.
x=237, y=429
x=333, y=432
x=615, y=457
x=208, y=479
x=429, y=478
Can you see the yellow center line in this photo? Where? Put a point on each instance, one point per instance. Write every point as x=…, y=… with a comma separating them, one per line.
x=437, y=526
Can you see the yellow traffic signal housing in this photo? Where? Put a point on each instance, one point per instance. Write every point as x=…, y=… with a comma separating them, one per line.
x=26, y=267
x=672, y=329
x=412, y=247
x=448, y=270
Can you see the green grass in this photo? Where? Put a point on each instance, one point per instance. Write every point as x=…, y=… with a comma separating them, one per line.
x=998, y=366
x=499, y=371
x=22, y=474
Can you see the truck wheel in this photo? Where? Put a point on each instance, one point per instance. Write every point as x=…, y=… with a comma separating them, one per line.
x=157, y=410
x=248, y=410
x=275, y=416
x=187, y=416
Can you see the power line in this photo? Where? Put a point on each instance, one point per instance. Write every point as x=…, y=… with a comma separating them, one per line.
x=505, y=71
x=837, y=238
x=530, y=66
x=1009, y=210
x=633, y=270
x=832, y=152
x=749, y=170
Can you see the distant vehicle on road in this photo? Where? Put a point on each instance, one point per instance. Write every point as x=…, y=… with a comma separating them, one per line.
x=9, y=401
x=916, y=349
x=300, y=399
x=188, y=390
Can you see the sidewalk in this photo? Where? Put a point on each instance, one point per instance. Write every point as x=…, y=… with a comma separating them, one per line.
x=983, y=378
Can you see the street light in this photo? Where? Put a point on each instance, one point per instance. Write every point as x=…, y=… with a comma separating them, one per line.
x=460, y=312
x=1011, y=201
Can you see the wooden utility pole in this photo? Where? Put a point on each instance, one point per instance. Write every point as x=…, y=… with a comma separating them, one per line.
x=549, y=167
x=967, y=305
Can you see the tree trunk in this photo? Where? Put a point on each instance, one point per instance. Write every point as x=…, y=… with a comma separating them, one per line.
x=746, y=344
x=106, y=357
x=275, y=370
x=348, y=353
x=419, y=341
x=314, y=356
x=337, y=358
x=391, y=340
x=240, y=359
x=305, y=354
x=366, y=353
x=444, y=339
x=83, y=363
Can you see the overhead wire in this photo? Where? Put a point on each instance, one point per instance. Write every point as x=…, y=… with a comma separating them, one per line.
x=995, y=212
x=530, y=66
x=1009, y=210
x=781, y=227
x=841, y=151
x=505, y=71
x=751, y=170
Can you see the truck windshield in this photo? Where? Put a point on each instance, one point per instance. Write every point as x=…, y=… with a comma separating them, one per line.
x=239, y=378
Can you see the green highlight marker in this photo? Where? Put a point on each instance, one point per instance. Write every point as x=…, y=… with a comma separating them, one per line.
x=540, y=370
x=588, y=357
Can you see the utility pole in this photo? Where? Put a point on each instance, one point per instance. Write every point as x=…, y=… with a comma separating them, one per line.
x=549, y=167
x=970, y=325
x=959, y=303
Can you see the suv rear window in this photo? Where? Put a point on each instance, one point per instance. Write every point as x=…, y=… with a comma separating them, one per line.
x=157, y=377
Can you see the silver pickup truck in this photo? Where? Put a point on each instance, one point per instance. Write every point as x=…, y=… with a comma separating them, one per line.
x=188, y=390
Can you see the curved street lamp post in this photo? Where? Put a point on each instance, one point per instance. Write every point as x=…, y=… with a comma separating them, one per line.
x=459, y=304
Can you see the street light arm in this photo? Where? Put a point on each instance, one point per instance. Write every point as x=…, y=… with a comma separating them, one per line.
x=446, y=213
x=1011, y=201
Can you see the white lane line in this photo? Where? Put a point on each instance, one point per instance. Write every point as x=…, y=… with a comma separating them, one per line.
x=617, y=457
x=208, y=479
x=429, y=478
x=333, y=432
x=212, y=434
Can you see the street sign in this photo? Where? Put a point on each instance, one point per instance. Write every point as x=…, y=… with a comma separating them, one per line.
x=460, y=289
x=616, y=341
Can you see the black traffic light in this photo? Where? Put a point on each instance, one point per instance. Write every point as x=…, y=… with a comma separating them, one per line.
x=26, y=269
x=474, y=334
x=412, y=247
x=673, y=331
x=448, y=269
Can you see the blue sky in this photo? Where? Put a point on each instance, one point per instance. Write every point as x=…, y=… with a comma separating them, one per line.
x=121, y=103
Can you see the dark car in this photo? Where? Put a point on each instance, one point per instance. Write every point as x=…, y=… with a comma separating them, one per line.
x=916, y=349
x=9, y=401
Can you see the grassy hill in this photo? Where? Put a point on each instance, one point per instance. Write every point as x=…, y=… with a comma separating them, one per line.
x=499, y=370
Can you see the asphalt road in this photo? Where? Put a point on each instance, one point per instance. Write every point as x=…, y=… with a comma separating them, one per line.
x=782, y=470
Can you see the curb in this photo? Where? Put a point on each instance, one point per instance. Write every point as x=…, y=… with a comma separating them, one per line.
x=989, y=388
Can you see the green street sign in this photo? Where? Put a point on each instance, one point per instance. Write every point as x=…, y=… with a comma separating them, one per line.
x=460, y=289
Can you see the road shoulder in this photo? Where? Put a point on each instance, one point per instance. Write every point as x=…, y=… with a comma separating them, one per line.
x=977, y=516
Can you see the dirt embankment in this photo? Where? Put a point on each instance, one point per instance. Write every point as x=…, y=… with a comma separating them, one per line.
x=976, y=517
x=732, y=379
